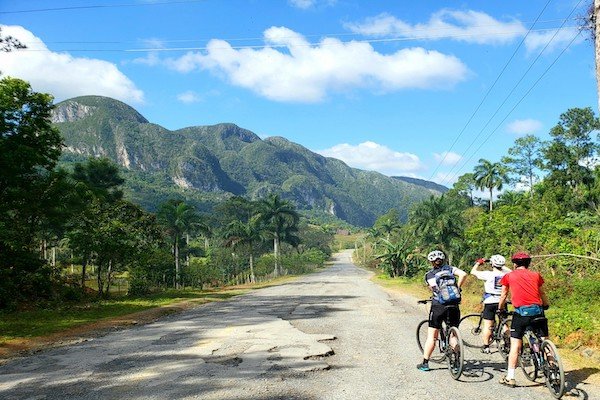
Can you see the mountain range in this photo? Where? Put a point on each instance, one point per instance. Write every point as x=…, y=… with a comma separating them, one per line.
x=207, y=164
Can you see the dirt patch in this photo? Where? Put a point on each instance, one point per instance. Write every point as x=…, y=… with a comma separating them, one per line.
x=20, y=347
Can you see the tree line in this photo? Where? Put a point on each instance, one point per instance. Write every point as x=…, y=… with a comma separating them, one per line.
x=54, y=215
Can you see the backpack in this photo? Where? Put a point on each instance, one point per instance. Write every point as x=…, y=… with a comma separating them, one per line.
x=448, y=291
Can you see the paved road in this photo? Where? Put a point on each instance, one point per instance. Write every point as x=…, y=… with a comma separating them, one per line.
x=330, y=335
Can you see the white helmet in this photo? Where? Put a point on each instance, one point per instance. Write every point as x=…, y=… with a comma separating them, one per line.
x=498, y=261
x=436, y=254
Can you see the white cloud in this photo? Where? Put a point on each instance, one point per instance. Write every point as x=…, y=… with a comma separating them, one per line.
x=303, y=72
x=375, y=157
x=536, y=41
x=524, y=126
x=467, y=26
x=447, y=158
x=306, y=4
x=189, y=97
x=63, y=75
x=303, y=4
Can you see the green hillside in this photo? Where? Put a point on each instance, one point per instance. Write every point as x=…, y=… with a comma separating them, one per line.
x=205, y=164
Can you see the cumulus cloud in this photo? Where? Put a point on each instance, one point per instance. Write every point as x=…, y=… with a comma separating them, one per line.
x=467, y=26
x=63, y=75
x=189, y=97
x=375, y=157
x=524, y=126
x=555, y=39
x=289, y=68
x=447, y=158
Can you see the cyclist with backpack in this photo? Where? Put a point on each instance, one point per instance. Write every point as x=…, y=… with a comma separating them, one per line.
x=442, y=281
x=529, y=300
x=492, y=291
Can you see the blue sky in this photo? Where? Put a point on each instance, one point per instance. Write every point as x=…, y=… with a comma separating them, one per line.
x=388, y=86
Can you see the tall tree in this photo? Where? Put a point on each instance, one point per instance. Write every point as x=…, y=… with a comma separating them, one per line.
x=490, y=176
x=280, y=218
x=248, y=234
x=179, y=218
x=465, y=186
x=525, y=159
x=29, y=150
x=438, y=222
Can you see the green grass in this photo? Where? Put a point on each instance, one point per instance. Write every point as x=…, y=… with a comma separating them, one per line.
x=56, y=318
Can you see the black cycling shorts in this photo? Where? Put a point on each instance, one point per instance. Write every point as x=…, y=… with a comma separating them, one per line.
x=438, y=312
x=519, y=323
x=489, y=311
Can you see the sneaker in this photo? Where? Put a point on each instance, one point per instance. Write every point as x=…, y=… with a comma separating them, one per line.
x=423, y=367
x=508, y=382
x=486, y=350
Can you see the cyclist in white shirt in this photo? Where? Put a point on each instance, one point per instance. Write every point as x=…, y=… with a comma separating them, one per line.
x=492, y=292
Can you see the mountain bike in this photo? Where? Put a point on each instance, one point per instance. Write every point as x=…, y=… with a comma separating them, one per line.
x=449, y=344
x=471, y=329
x=540, y=354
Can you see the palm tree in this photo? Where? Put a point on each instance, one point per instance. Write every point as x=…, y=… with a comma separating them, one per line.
x=280, y=219
x=248, y=234
x=490, y=176
x=438, y=222
x=179, y=218
x=388, y=227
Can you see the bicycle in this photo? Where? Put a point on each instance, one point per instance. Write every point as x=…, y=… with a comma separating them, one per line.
x=540, y=354
x=471, y=328
x=454, y=354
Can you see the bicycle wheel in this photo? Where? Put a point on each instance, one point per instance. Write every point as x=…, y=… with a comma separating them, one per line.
x=553, y=369
x=455, y=352
x=527, y=360
x=502, y=337
x=471, y=330
x=422, y=329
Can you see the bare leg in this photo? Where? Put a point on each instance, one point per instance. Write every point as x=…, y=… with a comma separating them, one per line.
x=488, y=326
x=432, y=335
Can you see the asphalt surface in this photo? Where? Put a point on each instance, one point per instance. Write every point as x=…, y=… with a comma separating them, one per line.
x=330, y=335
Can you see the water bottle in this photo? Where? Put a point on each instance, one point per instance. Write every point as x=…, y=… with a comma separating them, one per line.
x=534, y=344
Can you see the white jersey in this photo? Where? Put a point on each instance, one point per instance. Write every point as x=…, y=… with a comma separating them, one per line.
x=492, y=286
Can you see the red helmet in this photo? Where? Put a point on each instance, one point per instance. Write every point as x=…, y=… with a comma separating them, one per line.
x=520, y=255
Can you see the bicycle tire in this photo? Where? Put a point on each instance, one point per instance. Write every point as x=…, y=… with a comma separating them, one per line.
x=422, y=329
x=471, y=329
x=455, y=354
x=502, y=337
x=553, y=369
x=527, y=360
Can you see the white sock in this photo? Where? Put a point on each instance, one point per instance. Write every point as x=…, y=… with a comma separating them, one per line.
x=510, y=373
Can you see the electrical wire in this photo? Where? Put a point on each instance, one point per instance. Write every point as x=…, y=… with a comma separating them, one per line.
x=487, y=93
x=274, y=45
x=515, y=106
x=97, y=6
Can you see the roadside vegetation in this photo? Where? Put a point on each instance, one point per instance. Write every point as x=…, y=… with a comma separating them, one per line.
x=549, y=206
x=73, y=249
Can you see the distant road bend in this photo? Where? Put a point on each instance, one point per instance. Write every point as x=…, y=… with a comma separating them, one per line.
x=329, y=335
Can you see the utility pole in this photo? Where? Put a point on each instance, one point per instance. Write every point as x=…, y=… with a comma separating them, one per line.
x=594, y=21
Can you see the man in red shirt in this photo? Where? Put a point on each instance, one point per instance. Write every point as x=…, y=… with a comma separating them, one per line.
x=529, y=300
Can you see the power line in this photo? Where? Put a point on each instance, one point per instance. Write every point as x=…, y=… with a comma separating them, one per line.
x=519, y=102
x=488, y=92
x=262, y=46
x=452, y=175
x=96, y=6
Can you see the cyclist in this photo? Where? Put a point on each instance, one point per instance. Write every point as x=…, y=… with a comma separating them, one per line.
x=439, y=306
x=491, y=296
x=529, y=300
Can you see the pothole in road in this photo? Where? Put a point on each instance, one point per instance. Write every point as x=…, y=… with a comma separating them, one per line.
x=226, y=361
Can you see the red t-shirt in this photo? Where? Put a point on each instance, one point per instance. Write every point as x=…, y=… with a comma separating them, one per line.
x=524, y=287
